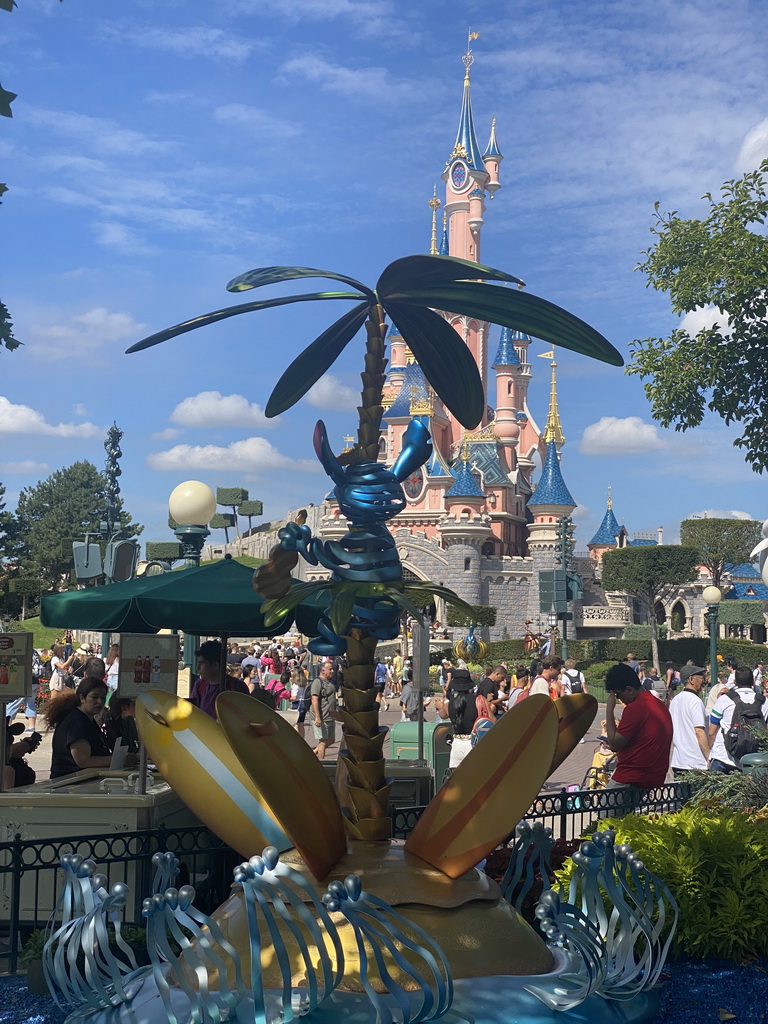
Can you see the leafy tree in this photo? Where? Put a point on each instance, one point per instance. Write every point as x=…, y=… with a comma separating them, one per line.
x=408, y=291
x=650, y=573
x=720, y=541
x=49, y=516
x=718, y=263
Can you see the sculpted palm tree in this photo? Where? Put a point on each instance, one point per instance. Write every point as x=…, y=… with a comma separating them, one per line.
x=366, y=588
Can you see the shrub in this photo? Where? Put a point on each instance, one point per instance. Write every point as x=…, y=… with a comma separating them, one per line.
x=712, y=860
x=636, y=632
x=739, y=791
x=482, y=615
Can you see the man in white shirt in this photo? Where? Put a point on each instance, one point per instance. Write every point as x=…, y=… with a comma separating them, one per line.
x=721, y=718
x=550, y=670
x=690, y=744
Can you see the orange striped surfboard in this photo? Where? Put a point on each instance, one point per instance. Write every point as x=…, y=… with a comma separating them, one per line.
x=490, y=790
x=576, y=712
x=285, y=770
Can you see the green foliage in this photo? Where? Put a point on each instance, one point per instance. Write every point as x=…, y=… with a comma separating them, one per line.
x=33, y=947
x=222, y=521
x=720, y=262
x=482, y=615
x=720, y=541
x=162, y=550
x=6, y=329
x=638, y=632
x=230, y=496
x=737, y=791
x=741, y=613
x=711, y=859
x=248, y=560
x=250, y=508
x=408, y=291
x=648, y=571
x=69, y=503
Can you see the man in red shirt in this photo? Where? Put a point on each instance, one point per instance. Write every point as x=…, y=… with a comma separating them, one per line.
x=642, y=739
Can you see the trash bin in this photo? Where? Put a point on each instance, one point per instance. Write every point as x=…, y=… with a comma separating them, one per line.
x=751, y=761
x=404, y=745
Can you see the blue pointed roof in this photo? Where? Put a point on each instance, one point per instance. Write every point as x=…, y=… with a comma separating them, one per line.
x=492, y=149
x=437, y=466
x=742, y=591
x=507, y=353
x=608, y=530
x=414, y=387
x=743, y=569
x=466, y=140
x=466, y=486
x=442, y=249
x=551, y=489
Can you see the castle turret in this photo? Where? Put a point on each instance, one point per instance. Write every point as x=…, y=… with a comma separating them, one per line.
x=492, y=157
x=506, y=364
x=549, y=502
x=606, y=538
x=553, y=430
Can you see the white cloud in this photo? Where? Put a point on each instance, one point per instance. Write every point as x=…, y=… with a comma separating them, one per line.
x=169, y=434
x=202, y=41
x=330, y=393
x=120, y=238
x=719, y=513
x=614, y=436
x=80, y=410
x=102, y=135
x=24, y=468
x=23, y=419
x=355, y=83
x=212, y=409
x=702, y=318
x=255, y=121
x=84, y=334
x=754, y=148
x=253, y=455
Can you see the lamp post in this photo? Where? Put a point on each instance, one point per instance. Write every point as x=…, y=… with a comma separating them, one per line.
x=713, y=596
x=191, y=506
x=552, y=622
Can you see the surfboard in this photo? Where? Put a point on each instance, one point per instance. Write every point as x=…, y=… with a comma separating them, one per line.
x=286, y=771
x=490, y=791
x=194, y=757
x=575, y=712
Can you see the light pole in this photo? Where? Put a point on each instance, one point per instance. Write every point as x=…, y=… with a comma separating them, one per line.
x=191, y=506
x=552, y=622
x=713, y=596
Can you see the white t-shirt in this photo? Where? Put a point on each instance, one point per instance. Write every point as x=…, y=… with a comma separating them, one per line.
x=540, y=685
x=57, y=675
x=113, y=671
x=722, y=714
x=569, y=677
x=688, y=714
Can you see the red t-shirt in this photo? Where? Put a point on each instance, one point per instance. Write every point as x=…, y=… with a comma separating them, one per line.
x=647, y=724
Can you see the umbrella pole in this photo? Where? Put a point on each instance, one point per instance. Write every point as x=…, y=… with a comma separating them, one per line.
x=223, y=664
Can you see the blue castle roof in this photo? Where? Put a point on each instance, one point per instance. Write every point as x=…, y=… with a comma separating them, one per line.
x=466, y=486
x=608, y=530
x=551, y=489
x=492, y=149
x=756, y=591
x=507, y=353
x=414, y=386
x=466, y=140
x=443, y=249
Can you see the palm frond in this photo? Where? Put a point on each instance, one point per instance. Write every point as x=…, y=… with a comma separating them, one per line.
x=444, y=359
x=421, y=593
x=433, y=272
x=275, y=275
x=275, y=609
x=312, y=363
x=224, y=314
x=519, y=310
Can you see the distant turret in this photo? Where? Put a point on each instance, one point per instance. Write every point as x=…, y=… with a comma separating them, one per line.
x=492, y=157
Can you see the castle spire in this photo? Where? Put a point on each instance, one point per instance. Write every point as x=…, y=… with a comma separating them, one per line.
x=552, y=489
x=553, y=430
x=466, y=146
x=434, y=205
x=444, y=250
x=492, y=157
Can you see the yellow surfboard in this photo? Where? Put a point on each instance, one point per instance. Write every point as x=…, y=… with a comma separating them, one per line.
x=576, y=712
x=195, y=759
x=490, y=790
x=285, y=769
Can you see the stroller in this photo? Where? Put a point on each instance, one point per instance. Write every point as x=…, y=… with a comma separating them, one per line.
x=603, y=764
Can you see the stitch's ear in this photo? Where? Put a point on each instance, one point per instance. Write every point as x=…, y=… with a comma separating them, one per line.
x=328, y=460
x=417, y=448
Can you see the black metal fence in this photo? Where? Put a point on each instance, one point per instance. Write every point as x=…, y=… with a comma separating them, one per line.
x=30, y=878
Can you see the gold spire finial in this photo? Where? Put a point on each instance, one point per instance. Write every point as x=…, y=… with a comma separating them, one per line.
x=422, y=406
x=468, y=60
x=348, y=441
x=434, y=205
x=553, y=430
x=610, y=496
x=464, y=456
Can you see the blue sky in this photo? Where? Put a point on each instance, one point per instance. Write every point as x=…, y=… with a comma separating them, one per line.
x=160, y=148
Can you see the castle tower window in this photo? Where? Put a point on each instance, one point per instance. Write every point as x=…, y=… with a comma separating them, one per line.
x=467, y=564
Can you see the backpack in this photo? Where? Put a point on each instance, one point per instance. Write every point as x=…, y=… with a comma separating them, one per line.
x=747, y=720
x=483, y=722
x=574, y=675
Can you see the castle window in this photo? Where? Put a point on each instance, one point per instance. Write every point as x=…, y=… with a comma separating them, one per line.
x=488, y=547
x=467, y=564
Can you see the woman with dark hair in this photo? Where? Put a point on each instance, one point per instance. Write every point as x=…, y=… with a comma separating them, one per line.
x=461, y=709
x=120, y=723
x=61, y=667
x=250, y=677
x=78, y=742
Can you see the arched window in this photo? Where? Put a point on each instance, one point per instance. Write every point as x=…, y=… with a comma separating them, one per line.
x=660, y=613
x=678, y=617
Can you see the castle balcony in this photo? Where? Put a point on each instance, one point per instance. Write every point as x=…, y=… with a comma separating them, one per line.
x=601, y=616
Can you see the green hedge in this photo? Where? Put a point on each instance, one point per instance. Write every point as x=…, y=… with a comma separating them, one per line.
x=741, y=613
x=482, y=615
x=638, y=632
x=162, y=550
x=230, y=495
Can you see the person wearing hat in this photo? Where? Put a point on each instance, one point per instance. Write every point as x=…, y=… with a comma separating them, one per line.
x=690, y=743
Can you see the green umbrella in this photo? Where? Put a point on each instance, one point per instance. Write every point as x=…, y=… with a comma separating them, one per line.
x=215, y=599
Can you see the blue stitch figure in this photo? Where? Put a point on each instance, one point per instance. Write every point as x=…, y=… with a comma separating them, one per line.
x=368, y=494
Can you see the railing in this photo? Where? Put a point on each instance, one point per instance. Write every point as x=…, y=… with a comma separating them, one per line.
x=29, y=869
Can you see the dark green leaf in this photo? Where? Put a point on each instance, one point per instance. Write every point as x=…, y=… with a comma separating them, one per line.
x=519, y=310
x=403, y=601
x=223, y=314
x=275, y=275
x=7, y=5
x=444, y=359
x=275, y=609
x=342, y=602
x=6, y=99
x=433, y=272
x=310, y=366
x=426, y=588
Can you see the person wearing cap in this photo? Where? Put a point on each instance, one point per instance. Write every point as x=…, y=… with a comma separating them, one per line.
x=642, y=739
x=690, y=743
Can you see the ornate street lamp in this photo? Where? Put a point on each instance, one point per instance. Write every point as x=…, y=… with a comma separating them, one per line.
x=191, y=506
x=713, y=596
x=552, y=622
